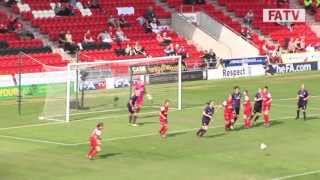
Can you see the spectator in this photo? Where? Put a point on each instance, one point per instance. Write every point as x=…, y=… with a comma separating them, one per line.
x=69, y=44
x=123, y=22
x=282, y=3
x=210, y=58
x=88, y=38
x=139, y=50
x=63, y=10
x=169, y=50
x=181, y=51
x=291, y=46
x=200, y=1
x=3, y=28
x=268, y=47
x=147, y=27
x=120, y=36
x=141, y=20
x=276, y=54
x=112, y=21
x=105, y=37
x=301, y=44
x=154, y=26
x=164, y=40
x=150, y=14
x=248, y=18
x=129, y=50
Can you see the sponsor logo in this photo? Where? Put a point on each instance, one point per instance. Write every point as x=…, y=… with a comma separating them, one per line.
x=284, y=15
x=156, y=68
x=294, y=67
x=92, y=85
x=243, y=61
x=234, y=72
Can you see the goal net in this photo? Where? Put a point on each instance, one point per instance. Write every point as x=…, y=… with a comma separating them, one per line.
x=101, y=89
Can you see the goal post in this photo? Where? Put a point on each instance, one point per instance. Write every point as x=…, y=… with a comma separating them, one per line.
x=102, y=88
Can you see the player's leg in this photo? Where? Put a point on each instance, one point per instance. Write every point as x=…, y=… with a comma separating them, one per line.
x=203, y=128
x=237, y=112
x=304, y=110
x=164, y=129
x=266, y=117
x=298, y=111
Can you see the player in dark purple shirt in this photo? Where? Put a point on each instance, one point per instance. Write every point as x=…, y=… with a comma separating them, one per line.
x=257, y=108
x=303, y=96
x=236, y=101
x=207, y=115
x=132, y=110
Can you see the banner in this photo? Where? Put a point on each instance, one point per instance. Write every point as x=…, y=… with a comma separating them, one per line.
x=173, y=77
x=30, y=90
x=156, y=68
x=235, y=72
x=292, y=67
x=300, y=57
x=243, y=61
x=92, y=84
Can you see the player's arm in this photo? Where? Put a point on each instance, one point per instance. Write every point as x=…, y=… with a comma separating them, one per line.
x=207, y=115
x=161, y=113
x=306, y=98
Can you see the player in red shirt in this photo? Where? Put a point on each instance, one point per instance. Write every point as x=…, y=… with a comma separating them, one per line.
x=247, y=110
x=266, y=105
x=95, y=141
x=228, y=113
x=164, y=110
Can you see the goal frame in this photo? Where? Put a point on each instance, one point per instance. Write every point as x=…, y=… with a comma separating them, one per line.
x=166, y=58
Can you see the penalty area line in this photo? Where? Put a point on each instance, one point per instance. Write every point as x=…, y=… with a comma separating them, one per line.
x=297, y=175
x=35, y=140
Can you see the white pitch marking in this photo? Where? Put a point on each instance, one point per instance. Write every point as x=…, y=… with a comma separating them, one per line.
x=31, y=125
x=35, y=140
x=297, y=175
x=286, y=99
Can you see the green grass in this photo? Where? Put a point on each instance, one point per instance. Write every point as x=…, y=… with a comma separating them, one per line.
x=293, y=146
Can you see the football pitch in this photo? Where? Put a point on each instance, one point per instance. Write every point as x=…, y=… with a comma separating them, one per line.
x=32, y=149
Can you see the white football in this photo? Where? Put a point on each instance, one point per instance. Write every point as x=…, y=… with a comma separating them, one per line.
x=263, y=146
x=149, y=97
x=41, y=118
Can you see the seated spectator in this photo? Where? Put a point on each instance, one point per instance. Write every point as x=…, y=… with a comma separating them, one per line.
x=301, y=45
x=13, y=24
x=112, y=21
x=248, y=18
x=291, y=46
x=129, y=50
x=3, y=28
x=69, y=44
x=105, y=37
x=200, y=2
x=147, y=27
x=150, y=14
x=141, y=20
x=139, y=50
x=181, y=51
x=164, y=40
x=154, y=26
x=120, y=36
x=210, y=58
x=169, y=50
x=25, y=34
x=94, y=4
x=64, y=10
x=88, y=38
x=123, y=22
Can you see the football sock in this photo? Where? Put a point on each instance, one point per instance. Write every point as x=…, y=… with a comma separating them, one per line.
x=93, y=153
x=130, y=118
x=304, y=115
x=298, y=114
x=134, y=119
x=200, y=132
x=266, y=119
x=256, y=118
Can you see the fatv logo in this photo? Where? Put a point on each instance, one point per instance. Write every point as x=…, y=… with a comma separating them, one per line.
x=284, y=15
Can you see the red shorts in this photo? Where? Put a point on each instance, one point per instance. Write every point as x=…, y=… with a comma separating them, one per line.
x=94, y=142
x=140, y=101
x=229, y=116
x=266, y=107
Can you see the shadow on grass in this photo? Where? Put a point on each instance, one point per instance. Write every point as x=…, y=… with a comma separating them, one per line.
x=176, y=134
x=259, y=124
x=107, y=155
x=215, y=135
x=145, y=123
x=311, y=118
